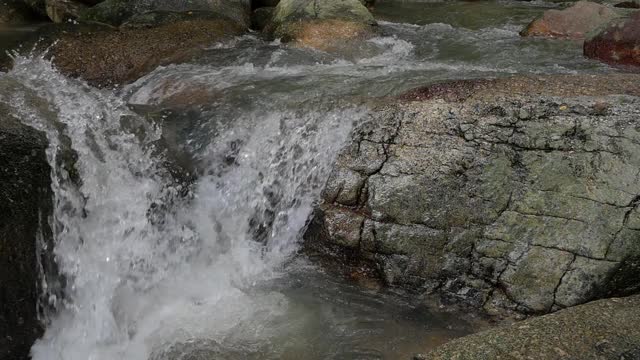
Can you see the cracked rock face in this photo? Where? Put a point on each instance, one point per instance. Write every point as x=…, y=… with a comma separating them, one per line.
x=516, y=194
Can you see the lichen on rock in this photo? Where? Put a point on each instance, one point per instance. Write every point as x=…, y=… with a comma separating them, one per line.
x=520, y=192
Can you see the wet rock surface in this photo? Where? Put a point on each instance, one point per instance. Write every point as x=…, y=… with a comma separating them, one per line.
x=574, y=22
x=63, y=10
x=111, y=57
x=618, y=43
x=517, y=194
x=603, y=330
x=323, y=25
x=25, y=205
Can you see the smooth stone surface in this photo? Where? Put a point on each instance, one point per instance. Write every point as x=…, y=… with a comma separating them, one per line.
x=602, y=330
x=618, y=43
x=574, y=22
x=331, y=25
x=105, y=58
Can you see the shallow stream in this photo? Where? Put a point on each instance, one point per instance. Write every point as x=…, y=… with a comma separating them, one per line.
x=181, y=239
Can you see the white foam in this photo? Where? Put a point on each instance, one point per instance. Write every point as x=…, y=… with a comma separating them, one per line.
x=137, y=285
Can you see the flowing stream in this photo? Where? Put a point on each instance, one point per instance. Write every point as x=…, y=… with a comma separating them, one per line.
x=178, y=231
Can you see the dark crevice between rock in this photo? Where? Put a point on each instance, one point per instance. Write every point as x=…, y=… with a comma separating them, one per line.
x=633, y=204
x=555, y=290
x=338, y=260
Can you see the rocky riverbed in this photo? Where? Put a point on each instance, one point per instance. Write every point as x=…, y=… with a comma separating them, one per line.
x=319, y=179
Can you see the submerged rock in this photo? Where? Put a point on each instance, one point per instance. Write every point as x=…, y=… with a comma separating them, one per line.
x=515, y=194
x=105, y=58
x=574, y=22
x=606, y=330
x=25, y=205
x=618, y=43
x=323, y=25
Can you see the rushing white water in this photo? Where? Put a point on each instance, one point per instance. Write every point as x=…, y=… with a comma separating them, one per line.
x=150, y=263
x=175, y=231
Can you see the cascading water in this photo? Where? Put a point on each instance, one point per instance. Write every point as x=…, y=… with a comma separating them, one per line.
x=149, y=262
x=176, y=231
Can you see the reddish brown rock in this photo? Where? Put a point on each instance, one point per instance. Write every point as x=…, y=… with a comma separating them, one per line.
x=327, y=35
x=108, y=58
x=618, y=43
x=574, y=22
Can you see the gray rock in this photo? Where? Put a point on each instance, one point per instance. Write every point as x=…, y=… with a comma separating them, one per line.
x=603, y=330
x=462, y=190
x=25, y=205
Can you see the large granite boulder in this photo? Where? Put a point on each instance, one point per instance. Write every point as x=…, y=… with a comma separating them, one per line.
x=618, y=43
x=323, y=25
x=602, y=330
x=25, y=205
x=116, y=12
x=517, y=194
x=111, y=57
x=574, y=22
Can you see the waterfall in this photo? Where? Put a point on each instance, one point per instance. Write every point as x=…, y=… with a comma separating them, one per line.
x=152, y=259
